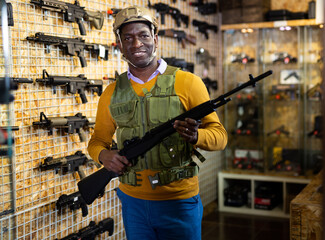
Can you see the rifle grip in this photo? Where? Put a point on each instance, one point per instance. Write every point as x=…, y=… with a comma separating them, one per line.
x=183, y=43
x=81, y=27
x=82, y=61
x=162, y=18
x=84, y=209
x=83, y=97
x=82, y=136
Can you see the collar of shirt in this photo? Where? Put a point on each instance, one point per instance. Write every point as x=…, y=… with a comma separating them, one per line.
x=161, y=69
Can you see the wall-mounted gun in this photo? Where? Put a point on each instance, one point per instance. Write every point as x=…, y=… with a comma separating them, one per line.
x=73, y=84
x=181, y=63
x=73, y=13
x=91, y=186
x=241, y=58
x=204, y=8
x=210, y=84
x=283, y=57
x=70, y=124
x=68, y=164
x=74, y=201
x=13, y=85
x=203, y=57
x=175, y=13
x=73, y=46
x=92, y=230
x=180, y=35
x=203, y=27
x=285, y=91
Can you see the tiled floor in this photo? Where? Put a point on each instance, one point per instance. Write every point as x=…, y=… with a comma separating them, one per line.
x=229, y=226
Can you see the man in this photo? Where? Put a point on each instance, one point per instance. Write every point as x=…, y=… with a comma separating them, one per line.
x=159, y=195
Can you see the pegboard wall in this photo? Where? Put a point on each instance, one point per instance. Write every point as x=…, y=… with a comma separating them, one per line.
x=28, y=195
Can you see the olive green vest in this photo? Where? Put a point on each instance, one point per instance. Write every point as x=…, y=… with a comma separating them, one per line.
x=136, y=115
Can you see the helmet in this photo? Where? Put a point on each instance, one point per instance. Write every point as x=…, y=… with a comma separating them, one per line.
x=134, y=14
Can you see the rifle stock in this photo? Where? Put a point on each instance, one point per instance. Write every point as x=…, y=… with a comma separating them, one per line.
x=92, y=186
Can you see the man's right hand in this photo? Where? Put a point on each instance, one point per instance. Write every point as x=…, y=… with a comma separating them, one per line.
x=112, y=161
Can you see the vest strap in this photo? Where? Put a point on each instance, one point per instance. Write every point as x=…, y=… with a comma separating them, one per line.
x=174, y=174
x=130, y=178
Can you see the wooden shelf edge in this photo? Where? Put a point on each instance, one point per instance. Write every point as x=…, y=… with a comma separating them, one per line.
x=292, y=23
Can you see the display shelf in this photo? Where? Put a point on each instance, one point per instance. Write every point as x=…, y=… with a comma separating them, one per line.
x=225, y=179
x=291, y=23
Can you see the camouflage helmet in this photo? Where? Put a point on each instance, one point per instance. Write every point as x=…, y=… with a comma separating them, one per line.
x=134, y=14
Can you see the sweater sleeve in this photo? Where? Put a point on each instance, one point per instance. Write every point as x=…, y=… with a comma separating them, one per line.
x=105, y=125
x=211, y=134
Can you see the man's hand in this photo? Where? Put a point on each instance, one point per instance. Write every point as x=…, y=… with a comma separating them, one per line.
x=188, y=129
x=112, y=161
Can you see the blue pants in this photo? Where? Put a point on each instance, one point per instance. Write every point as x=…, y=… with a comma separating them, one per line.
x=161, y=220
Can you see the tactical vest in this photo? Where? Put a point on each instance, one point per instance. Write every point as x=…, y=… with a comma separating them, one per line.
x=136, y=115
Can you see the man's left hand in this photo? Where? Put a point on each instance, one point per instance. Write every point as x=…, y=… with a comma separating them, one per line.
x=188, y=129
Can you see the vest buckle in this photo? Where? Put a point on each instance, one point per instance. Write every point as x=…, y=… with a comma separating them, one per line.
x=154, y=181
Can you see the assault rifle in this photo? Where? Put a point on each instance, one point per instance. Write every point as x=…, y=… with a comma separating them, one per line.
x=74, y=201
x=181, y=63
x=92, y=230
x=180, y=35
x=210, y=84
x=204, y=8
x=91, y=186
x=73, y=84
x=203, y=57
x=73, y=13
x=164, y=9
x=68, y=164
x=72, y=46
x=203, y=27
x=69, y=124
x=13, y=85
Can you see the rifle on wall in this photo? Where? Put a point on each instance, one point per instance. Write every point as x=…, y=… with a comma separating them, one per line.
x=73, y=84
x=69, y=124
x=92, y=186
x=12, y=85
x=68, y=164
x=72, y=46
x=92, y=230
x=73, y=13
x=180, y=35
x=175, y=13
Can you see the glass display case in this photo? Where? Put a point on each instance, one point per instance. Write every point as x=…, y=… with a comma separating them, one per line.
x=274, y=127
x=282, y=99
x=312, y=69
x=242, y=116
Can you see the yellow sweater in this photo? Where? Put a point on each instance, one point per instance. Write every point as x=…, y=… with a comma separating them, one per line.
x=211, y=136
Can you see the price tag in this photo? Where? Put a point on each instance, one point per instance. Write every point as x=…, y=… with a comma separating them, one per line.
x=280, y=23
x=101, y=51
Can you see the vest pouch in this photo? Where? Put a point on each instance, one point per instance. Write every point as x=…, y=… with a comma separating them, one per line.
x=169, y=154
x=158, y=109
x=161, y=109
x=124, y=113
